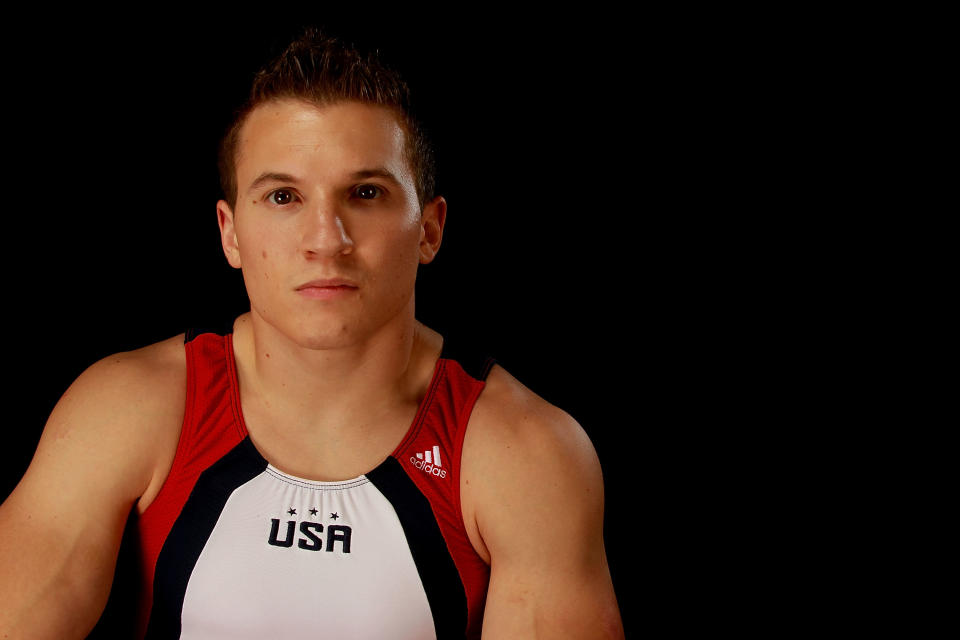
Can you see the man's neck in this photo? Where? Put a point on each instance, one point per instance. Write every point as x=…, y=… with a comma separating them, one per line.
x=325, y=390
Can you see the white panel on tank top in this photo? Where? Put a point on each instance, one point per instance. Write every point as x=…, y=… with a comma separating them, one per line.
x=244, y=587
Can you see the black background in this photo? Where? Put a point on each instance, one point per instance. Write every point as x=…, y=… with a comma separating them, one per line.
x=540, y=125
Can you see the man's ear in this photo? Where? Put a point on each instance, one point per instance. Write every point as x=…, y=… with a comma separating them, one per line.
x=228, y=233
x=431, y=228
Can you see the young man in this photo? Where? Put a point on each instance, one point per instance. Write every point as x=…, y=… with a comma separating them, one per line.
x=327, y=464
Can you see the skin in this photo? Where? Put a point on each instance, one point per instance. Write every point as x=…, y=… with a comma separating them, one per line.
x=531, y=487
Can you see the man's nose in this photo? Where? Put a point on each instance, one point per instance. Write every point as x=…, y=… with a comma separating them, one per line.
x=324, y=231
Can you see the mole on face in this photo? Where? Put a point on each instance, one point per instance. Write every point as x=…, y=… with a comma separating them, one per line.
x=264, y=254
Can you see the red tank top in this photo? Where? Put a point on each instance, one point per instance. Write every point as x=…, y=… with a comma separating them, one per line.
x=233, y=547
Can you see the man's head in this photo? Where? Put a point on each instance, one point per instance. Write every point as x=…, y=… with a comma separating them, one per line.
x=322, y=71
x=328, y=217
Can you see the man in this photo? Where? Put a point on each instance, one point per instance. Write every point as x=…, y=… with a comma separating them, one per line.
x=327, y=464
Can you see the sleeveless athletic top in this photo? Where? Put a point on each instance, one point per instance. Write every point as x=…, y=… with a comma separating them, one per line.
x=234, y=548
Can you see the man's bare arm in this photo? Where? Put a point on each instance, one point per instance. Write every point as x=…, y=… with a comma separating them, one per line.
x=62, y=525
x=539, y=510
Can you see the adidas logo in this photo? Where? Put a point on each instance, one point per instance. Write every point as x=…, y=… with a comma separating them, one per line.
x=429, y=462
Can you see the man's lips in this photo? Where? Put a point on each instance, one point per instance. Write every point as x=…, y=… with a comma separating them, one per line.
x=332, y=282
x=327, y=288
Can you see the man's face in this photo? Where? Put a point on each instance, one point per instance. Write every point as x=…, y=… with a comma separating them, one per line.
x=326, y=193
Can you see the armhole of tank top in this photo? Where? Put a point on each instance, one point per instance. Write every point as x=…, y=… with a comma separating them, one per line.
x=189, y=410
x=185, y=425
x=463, y=421
x=477, y=364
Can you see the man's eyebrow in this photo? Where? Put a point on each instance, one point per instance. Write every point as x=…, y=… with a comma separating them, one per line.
x=378, y=172
x=271, y=177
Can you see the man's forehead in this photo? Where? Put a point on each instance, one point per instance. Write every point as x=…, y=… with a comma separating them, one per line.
x=352, y=133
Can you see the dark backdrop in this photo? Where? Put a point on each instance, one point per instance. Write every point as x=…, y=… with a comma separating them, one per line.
x=112, y=241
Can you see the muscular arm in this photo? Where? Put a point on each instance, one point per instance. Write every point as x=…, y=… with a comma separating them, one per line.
x=539, y=511
x=62, y=525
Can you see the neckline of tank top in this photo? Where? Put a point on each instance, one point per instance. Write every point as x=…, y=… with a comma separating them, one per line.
x=252, y=450
x=316, y=485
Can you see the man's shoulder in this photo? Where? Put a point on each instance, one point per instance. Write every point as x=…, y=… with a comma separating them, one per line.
x=507, y=408
x=138, y=383
x=513, y=425
x=161, y=363
x=163, y=358
x=114, y=427
x=524, y=461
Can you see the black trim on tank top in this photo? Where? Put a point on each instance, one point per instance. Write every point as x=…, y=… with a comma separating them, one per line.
x=438, y=572
x=221, y=329
x=474, y=360
x=190, y=533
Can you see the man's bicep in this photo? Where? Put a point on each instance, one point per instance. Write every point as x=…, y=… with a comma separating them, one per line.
x=542, y=521
x=56, y=564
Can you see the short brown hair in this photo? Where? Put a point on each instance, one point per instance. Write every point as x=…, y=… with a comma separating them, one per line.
x=324, y=70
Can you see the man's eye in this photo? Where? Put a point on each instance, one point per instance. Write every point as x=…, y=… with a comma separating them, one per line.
x=280, y=197
x=367, y=191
